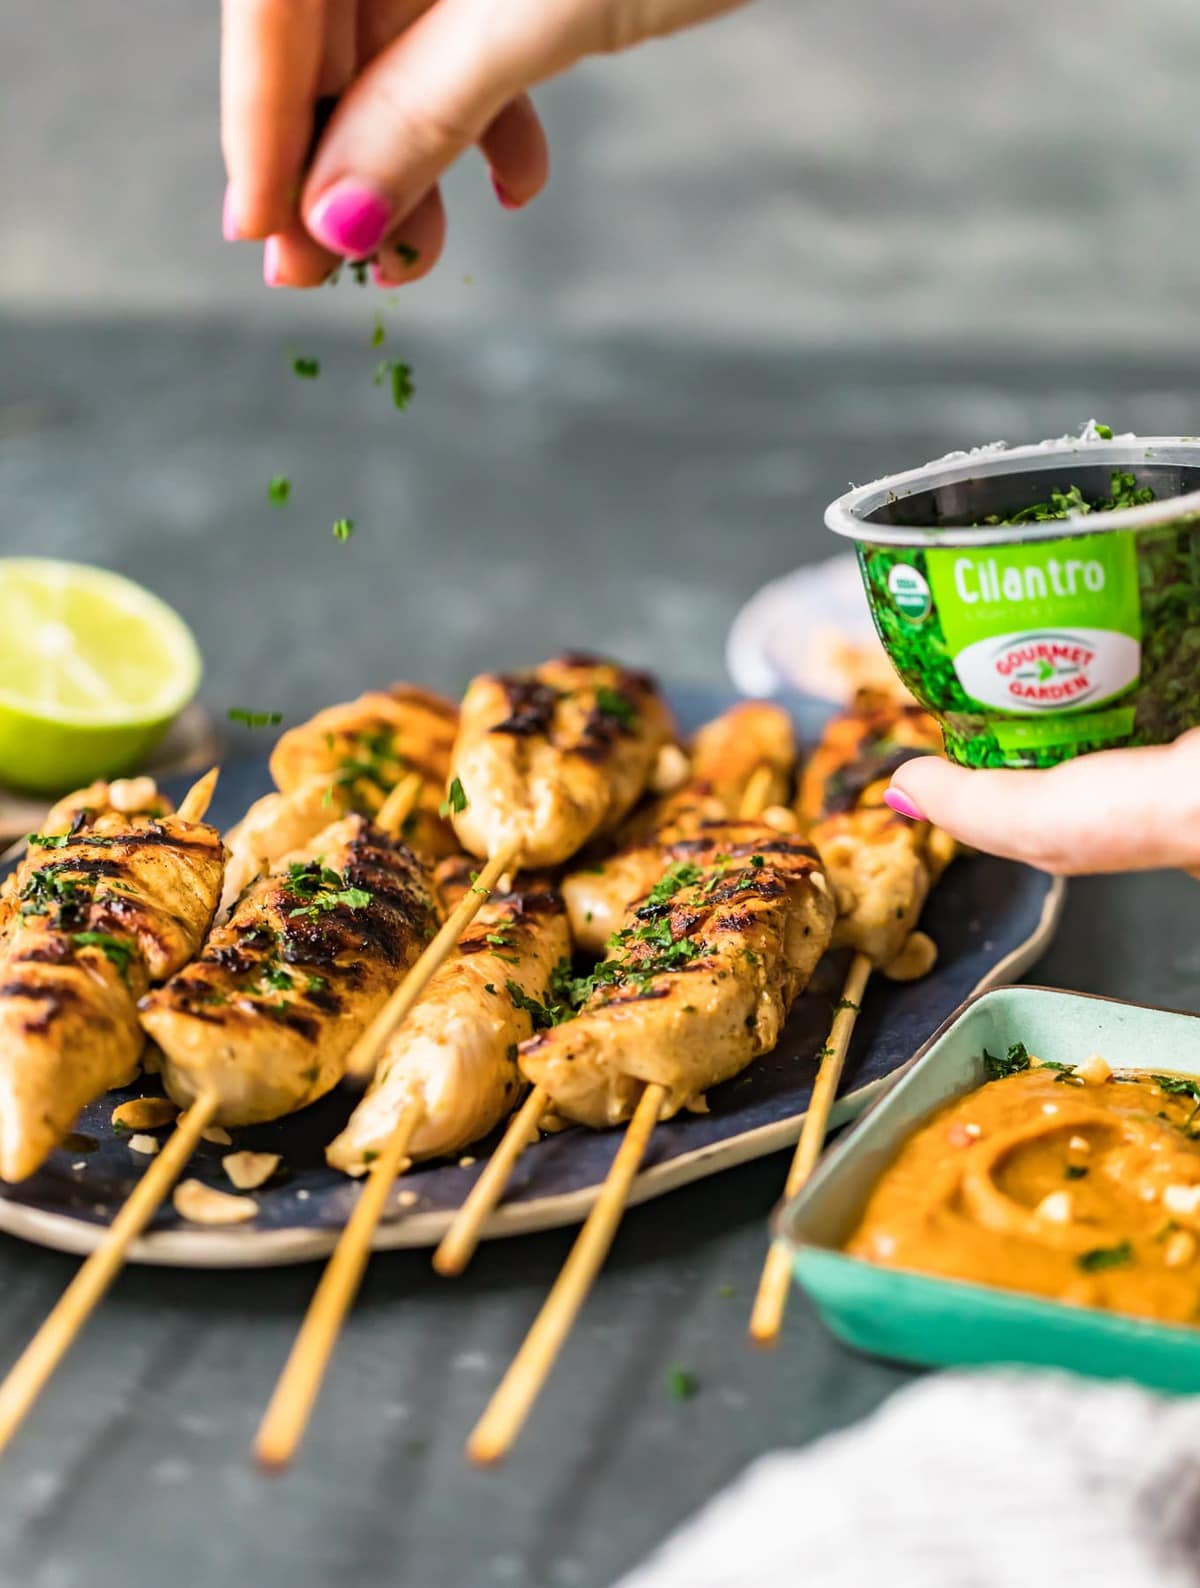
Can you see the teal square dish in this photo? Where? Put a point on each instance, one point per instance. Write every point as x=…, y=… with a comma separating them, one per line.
x=917, y=1318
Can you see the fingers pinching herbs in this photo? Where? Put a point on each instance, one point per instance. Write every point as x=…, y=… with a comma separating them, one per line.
x=515, y=148
x=271, y=59
x=1116, y=810
x=413, y=250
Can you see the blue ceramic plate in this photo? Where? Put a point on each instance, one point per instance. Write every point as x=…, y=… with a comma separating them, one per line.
x=990, y=918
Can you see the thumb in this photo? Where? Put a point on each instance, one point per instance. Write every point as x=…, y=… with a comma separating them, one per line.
x=1118, y=810
x=421, y=102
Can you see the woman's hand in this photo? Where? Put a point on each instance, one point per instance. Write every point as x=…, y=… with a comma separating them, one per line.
x=418, y=82
x=1118, y=810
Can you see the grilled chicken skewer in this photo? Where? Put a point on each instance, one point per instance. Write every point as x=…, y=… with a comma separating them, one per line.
x=347, y=759
x=114, y=894
x=699, y=984
x=741, y=763
x=752, y=743
x=456, y=1055
x=882, y=867
x=446, y=1077
x=544, y=762
x=264, y=1017
x=164, y=872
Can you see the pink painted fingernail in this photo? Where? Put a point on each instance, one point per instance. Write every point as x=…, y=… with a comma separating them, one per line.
x=504, y=195
x=271, y=271
x=902, y=805
x=229, y=219
x=350, y=219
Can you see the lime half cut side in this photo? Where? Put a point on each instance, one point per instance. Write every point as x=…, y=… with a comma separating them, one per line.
x=93, y=669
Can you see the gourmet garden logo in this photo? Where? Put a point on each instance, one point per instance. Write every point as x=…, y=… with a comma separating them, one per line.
x=1037, y=672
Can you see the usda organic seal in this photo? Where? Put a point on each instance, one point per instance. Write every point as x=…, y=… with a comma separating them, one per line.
x=910, y=591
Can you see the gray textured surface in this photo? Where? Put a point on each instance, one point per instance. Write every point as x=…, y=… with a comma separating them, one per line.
x=807, y=174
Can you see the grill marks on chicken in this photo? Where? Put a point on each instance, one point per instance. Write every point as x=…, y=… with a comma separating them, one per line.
x=268, y=1012
x=699, y=980
x=457, y=1052
x=726, y=754
x=882, y=866
x=861, y=746
x=95, y=915
x=348, y=759
x=551, y=759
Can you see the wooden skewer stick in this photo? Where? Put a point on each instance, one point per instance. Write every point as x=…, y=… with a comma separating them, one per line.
x=365, y=1053
x=497, y=1430
x=766, y=1320
x=194, y=805
x=29, y=1374
x=461, y=1239
x=287, y=1415
x=400, y=804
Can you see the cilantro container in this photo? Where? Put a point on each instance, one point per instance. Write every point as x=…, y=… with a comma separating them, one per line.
x=912, y=1317
x=1037, y=641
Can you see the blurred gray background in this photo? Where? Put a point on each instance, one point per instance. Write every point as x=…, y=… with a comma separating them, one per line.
x=811, y=243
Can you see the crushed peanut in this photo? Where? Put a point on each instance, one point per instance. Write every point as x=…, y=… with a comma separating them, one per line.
x=671, y=770
x=1180, y=1249
x=1094, y=1070
x=1055, y=1208
x=144, y=1113
x=407, y=1199
x=466, y=1161
x=203, y=1204
x=1182, y=1199
x=144, y=1144
x=131, y=794
x=780, y=819
x=248, y=1170
x=1079, y=1144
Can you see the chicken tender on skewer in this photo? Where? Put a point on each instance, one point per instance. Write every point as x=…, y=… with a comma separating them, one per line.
x=700, y=979
x=861, y=746
x=551, y=759
x=118, y=899
x=882, y=866
x=457, y=1052
x=751, y=738
x=347, y=759
x=268, y=1012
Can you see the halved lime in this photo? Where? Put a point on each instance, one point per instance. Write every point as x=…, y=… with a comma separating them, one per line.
x=92, y=671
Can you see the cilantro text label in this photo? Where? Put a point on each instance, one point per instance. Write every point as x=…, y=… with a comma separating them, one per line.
x=983, y=579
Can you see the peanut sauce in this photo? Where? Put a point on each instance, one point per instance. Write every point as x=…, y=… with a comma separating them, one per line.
x=1087, y=1191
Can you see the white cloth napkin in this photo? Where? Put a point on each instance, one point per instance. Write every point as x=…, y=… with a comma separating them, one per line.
x=964, y=1480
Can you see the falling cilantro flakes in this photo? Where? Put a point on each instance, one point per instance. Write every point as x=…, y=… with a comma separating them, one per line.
x=279, y=488
x=254, y=719
x=681, y=1384
x=343, y=529
x=379, y=334
x=456, y=800
x=399, y=375
x=306, y=368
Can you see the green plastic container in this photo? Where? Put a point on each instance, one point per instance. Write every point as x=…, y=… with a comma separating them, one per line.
x=948, y=1323
x=1035, y=642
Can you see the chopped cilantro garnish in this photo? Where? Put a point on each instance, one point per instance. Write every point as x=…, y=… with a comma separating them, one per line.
x=542, y=1015
x=379, y=334
x=406, y=254
x=399, y=375
x=1103, y=431
x=612, y=703
x=681, y=1384
x=455, y=801
x=1178, y=1085
x=117, y=950
x=279, y=488
x=343, y=528
x=306, y=368
x=324, y=890
x=683, y=874
x=254, y=719
x=1099, y=1257
x=48, y=840
x=1016, y=1061
x=1074, y=1171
